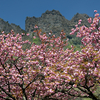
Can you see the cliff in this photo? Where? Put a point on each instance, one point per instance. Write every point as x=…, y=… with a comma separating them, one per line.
x=55, y=21
x=6, y=27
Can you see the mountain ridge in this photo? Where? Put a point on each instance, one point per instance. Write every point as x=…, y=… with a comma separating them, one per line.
x=7, y=27
x=54, y=21
x=48, y=21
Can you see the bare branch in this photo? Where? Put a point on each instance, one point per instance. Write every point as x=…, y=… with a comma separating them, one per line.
x=9, y=94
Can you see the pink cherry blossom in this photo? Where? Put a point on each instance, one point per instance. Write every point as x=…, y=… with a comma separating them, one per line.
x=48, y=70
x=89, y=20
x=96, y=15
x=34, y=37
x=3, y=32
x=35, y=26
x=95, y=10
x=27, y=34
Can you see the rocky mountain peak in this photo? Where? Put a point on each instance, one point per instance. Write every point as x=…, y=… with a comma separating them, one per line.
x=50, y=20
x=80, y=16
x=6, y=27
x=54, y=21
x=53, y=12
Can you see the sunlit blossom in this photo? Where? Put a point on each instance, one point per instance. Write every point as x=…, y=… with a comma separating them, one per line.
x=27, y=34
x=95, y=10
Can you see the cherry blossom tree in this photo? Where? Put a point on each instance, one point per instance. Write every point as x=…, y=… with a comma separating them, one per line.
x=48, y=71
x=83, y=67
x=23, y=72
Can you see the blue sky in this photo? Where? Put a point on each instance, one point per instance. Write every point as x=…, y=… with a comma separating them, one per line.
x=16, y=11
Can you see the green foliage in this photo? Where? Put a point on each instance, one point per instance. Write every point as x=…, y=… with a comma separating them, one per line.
x=75, y=41
x=36, y=40
x=31, y=39
x=76, y=47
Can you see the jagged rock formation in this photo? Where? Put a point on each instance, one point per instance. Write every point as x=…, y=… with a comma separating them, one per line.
x=6, y=27
x=53, y=20
x=49, y=21
x=83, y=17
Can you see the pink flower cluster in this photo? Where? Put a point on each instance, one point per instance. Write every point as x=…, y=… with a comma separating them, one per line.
x=48, y=71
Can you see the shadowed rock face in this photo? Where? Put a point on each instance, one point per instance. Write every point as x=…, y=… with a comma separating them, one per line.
x=49, y=21
x=53, y=20
x=5, y=26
